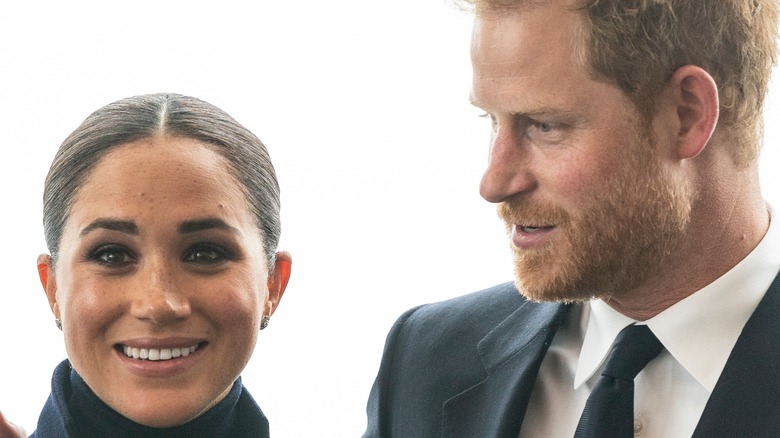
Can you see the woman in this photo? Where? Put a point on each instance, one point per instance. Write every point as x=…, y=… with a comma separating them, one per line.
x=161, y=215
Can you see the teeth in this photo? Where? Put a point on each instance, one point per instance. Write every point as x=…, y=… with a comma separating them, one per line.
x=157, y=354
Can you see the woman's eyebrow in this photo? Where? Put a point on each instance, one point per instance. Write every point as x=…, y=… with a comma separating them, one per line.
x=205, y=224
x=120, y=225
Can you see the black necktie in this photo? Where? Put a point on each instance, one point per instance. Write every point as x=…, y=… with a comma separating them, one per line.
x=609, y=411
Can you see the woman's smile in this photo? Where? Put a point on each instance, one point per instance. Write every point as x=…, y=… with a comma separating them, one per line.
x=155, y=354
x=154, y=363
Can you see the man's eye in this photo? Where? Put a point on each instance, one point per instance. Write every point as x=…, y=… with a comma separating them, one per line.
x=490, y=117
x=545, y=127
x=206, y=254
x=112, y=256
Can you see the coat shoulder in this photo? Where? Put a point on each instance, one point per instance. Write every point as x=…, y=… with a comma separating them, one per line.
x=470, y=316
x=432, y=354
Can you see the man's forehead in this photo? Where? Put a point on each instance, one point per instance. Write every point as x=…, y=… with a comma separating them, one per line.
x=503, y=7
x=509, y=40
x=530, y=61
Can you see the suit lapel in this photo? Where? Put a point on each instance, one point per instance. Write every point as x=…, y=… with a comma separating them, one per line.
x=746, y=399
x=511, y=354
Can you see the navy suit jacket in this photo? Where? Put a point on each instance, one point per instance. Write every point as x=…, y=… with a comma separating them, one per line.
x=466, y=368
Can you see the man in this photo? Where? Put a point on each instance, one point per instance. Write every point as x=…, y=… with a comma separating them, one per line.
x=623, y=159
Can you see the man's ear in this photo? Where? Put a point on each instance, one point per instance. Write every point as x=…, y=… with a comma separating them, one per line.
x=49, y=282
x=277, y=281
x=692, y=97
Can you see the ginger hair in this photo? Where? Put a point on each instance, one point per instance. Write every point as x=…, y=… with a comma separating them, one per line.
x=637, y=45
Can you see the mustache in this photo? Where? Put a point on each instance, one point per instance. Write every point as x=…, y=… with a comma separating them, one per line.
x=518, y=211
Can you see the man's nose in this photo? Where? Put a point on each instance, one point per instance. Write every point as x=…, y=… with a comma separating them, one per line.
x=508, y=172
x=158, y=297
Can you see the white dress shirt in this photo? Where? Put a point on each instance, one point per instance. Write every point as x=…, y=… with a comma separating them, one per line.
x=698, y=334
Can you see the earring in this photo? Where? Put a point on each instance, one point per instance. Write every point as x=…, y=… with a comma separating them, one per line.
x=264, y=322
x=58, y=323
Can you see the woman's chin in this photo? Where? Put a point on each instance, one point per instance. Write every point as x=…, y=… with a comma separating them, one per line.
x=163, y=417
x=166, y=407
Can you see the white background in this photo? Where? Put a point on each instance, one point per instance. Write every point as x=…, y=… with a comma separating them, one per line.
x=363, y=106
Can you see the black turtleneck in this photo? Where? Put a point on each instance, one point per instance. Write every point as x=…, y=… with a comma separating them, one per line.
x=74, y=411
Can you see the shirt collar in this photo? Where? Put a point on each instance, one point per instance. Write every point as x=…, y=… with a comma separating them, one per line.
x=604, y=324
x=699, y=331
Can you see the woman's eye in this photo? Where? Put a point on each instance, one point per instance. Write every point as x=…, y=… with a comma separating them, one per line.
x=112, y=256
x=206, y=254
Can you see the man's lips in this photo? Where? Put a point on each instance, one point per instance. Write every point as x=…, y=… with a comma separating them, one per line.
x=532, y=236
x=533, y=228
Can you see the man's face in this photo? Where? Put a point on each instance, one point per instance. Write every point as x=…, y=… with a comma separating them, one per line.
x=590, y=206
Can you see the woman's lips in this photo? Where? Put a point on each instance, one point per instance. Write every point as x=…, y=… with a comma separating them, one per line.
x=157, y=353
x=532, y=236
x=159, y=349
x=158, y=358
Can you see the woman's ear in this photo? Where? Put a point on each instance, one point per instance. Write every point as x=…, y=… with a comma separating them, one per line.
x=692, y=97
x=49, y=282
x=277, y=281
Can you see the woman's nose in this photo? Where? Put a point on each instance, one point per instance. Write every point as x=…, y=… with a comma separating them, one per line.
x=158, y=297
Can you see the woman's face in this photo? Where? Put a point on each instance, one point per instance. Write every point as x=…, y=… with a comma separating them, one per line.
x=161, y=280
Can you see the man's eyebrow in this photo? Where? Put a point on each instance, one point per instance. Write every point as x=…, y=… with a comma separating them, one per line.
x=123, y=226
x=205, y=224
x=533, y=111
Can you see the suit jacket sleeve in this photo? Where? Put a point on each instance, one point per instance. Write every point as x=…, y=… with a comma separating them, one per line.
x=378, y=410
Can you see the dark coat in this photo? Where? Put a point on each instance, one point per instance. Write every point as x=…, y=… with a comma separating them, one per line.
x=466, y=368
x=74, y=411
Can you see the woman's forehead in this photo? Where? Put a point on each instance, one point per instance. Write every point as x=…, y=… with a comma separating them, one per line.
x=163, y=177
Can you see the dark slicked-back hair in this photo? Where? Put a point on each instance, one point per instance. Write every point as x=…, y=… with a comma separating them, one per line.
x=139, y=117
